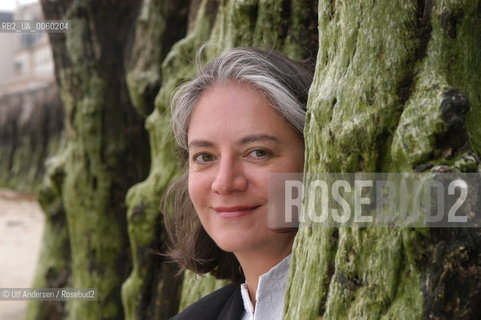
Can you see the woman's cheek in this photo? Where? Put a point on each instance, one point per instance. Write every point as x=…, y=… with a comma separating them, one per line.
x=194, y=191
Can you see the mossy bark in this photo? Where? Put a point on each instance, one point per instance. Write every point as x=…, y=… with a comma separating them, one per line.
x=31, y=130
x=389, y=74
x=152, y=291
x=107, y=148
x=53, y=267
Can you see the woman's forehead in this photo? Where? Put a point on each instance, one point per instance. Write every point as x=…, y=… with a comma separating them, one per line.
x=228, y=106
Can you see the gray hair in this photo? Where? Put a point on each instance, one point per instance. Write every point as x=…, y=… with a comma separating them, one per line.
x=282, y=82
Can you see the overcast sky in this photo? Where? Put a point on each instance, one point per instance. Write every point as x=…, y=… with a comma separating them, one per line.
x=11, y=5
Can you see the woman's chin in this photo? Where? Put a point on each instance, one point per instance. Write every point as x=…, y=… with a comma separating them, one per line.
x=235, y=242
x=231, y=245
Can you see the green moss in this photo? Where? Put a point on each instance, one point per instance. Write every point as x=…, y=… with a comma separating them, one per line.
x=101, y=162
x=195, y=287
x=53, y=267
x=382, y=74
x=159, y=25
x=271, y=24
x=301, y=40
x=311, y=269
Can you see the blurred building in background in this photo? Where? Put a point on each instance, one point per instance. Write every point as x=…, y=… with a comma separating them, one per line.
x=8, y=46
x=25, y=58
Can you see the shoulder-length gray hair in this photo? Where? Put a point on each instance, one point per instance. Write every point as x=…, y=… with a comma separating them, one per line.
x=285, y=85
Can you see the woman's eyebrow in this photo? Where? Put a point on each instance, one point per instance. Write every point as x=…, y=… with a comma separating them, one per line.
x=243, y=141
x=257, y=137
x=200, y=144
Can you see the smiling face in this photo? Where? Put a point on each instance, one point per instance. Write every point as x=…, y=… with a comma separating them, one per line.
x=236, y=139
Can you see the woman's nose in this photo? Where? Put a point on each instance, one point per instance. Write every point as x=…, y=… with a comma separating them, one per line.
x=229, y=178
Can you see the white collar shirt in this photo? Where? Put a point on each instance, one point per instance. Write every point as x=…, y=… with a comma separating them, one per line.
x=270, y=294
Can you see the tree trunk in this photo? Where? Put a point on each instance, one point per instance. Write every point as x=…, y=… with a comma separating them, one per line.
x=152, y=290
x=31, y=130
x=53, y=267
x=107, y=149
x=388, y=75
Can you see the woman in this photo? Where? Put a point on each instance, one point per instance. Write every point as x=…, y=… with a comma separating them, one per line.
x=240, y=119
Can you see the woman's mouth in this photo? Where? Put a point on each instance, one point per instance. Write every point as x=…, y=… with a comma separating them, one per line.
x=235, y=212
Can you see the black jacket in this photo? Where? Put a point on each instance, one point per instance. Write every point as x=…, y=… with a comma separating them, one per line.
x=222, y=304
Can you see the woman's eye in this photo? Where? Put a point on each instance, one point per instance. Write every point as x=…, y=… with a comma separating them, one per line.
x=259, y=153
x=202, y=157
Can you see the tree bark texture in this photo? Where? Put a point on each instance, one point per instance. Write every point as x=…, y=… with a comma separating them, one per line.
x=152, y=289
x=53, y=269
x=396, y=89
x=107, y=149
x=31, y=130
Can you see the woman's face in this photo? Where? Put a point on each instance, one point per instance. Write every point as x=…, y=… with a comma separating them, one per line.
x=236, y=140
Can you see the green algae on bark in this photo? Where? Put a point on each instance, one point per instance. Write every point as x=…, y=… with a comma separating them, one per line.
x=53, y=266
x=150, y=291
x=106, y=149
x=388, y=77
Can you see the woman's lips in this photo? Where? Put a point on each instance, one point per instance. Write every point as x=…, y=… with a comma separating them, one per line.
x=234, y=212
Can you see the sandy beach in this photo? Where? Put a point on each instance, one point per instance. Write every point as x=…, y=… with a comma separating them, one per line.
x=21, y=227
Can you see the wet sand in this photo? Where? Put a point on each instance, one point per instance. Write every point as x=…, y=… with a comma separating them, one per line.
x=21, y=227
